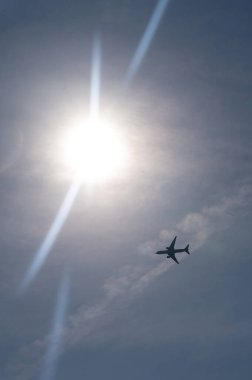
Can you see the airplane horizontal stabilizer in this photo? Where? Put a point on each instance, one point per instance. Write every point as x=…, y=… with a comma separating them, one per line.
x=187, y=249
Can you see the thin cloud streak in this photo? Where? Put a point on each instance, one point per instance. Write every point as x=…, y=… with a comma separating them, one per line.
x=133, y=280
x=198, y=227
x=85, y=325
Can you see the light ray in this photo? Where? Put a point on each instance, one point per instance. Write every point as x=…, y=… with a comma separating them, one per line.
x=51, y=236
x=60, y=218
x=95, y=77
x=56, y=334
x=146, y=40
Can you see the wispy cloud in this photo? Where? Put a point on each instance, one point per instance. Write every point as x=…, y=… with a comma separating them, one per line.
x=198, y=227
x=26, y=363
x=87, y=322
x=202, y=225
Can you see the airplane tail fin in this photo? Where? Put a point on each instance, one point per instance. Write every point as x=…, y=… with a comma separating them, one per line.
x=187, y=249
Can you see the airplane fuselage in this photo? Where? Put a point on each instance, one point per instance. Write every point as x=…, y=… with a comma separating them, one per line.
x=171, y=251
x=167, y=252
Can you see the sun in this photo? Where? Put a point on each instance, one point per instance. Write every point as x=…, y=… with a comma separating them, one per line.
x=95, y=151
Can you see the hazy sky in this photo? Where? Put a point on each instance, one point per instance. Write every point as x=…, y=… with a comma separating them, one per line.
x=103, y=305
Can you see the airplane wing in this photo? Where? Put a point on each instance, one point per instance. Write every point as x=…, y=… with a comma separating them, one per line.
x=173, y=257
x=173, y=243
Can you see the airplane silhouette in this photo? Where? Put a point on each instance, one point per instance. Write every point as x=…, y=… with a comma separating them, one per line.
x=170, y=251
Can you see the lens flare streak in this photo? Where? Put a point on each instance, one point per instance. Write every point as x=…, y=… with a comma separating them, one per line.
x=95, y=77
x=56, y=335
x=60, y=218
x=146, y=40
x=51, y=236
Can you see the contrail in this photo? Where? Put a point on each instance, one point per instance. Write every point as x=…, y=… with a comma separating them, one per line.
x=146, y=40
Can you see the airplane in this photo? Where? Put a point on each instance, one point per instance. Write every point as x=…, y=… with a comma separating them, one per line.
x=170, y=251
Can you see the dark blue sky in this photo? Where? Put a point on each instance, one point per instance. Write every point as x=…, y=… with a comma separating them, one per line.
x=187, y=117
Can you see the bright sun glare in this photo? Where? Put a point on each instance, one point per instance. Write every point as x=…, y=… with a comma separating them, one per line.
x=94, y=151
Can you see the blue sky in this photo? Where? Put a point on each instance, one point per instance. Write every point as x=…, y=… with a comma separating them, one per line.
x=121, y=310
